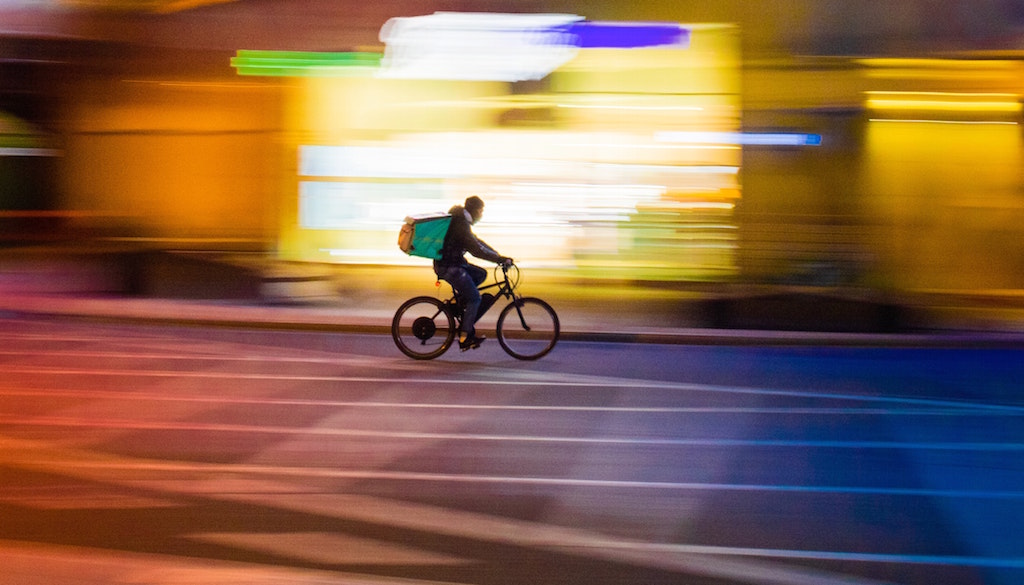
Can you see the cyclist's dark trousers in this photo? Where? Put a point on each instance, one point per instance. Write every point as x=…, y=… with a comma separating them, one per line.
x=464, y=279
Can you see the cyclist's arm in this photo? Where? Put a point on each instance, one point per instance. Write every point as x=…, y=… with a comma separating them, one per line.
x=480, y=249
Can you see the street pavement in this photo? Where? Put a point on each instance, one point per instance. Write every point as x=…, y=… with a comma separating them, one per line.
x=137, y=453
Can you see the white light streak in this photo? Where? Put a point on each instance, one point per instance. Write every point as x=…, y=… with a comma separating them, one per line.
x=475, y=46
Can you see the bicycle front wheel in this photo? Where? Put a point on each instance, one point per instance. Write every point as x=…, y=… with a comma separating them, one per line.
x=528, y=328
x=422, y=328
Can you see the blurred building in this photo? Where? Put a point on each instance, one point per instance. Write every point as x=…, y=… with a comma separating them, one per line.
x=128, y=119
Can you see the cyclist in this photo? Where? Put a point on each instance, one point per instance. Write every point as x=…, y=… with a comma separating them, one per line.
x=463, y=276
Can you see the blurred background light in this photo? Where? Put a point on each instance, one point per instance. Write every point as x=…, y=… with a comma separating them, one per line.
x=944, y=107
x=506, y=47
x=476, y=46
x=741, y=138
x=300, y=64
x=947, y=71
x=576, y=172
x=154, y=6
x=944, y=101
x=954, y=122
x=627, y=35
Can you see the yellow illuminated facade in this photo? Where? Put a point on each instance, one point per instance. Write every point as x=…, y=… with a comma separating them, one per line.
x=621, y=162
x=917, y=186
x=943, y=177
x=173, y=162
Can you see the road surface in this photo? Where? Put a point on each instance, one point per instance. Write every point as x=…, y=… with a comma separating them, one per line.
x=156, y=454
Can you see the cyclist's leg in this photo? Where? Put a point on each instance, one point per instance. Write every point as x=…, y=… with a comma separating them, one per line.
x=479, y=277
x=450, y=274
x=479, y=274
x=460, y=279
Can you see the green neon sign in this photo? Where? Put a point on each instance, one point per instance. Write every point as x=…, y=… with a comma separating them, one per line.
x=305, y=64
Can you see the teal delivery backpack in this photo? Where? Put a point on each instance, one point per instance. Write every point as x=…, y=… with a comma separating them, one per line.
x=423, y=235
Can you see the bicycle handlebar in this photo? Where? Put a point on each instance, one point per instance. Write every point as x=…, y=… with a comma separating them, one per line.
x=506, y=268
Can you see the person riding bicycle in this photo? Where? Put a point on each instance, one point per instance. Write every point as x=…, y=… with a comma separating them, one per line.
x=463, y=276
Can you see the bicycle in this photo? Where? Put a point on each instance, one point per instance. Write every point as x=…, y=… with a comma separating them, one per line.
x=425, y=327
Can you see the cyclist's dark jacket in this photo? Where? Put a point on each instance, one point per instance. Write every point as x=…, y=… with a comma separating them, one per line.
x=461, y=239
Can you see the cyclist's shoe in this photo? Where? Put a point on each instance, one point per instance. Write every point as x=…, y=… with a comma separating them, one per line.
x=471, y=342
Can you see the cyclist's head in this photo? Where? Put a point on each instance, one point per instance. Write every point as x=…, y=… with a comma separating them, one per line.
x=475, y=206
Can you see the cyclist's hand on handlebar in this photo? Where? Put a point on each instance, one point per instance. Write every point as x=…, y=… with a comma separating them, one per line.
x=507, y=262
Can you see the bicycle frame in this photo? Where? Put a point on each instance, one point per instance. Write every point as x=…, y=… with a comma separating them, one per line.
x=506, y=289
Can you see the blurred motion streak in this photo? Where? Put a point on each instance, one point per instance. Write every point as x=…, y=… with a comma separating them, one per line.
x=810, y=144
x=1001, y=103
x=303, y=63
x=581, y=172
x=156, y=6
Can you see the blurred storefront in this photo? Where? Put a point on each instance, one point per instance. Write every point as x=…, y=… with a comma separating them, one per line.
x=917, y=185
x=804, y=143
x=619, y=159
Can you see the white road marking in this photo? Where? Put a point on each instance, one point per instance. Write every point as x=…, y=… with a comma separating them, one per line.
x=127, y=424
x=125, y=467
x=707, y=556
x=821, y=555
x=188, y=357
x=130, y=396
x=717, y=560
x=553, y=380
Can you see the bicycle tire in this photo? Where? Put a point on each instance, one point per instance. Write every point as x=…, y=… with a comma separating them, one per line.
x=539, y=335
x=423, y=328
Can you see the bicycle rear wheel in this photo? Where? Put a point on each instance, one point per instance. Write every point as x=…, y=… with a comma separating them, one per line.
x=528, y=328
x=422, y=328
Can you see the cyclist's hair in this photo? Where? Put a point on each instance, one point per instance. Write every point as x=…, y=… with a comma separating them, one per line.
x=473, y=203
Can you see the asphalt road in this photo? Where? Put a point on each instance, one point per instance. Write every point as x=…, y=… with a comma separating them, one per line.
x=146, y=454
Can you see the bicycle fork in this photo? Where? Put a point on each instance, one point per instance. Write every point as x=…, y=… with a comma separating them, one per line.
x=518, y=302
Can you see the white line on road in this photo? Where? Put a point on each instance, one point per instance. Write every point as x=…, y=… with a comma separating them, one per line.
x=126, y=424
x=821, y=555
x=189, y=357
x=184, y=467
x=130, y=396
x=553, y=380
x=721, y=561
